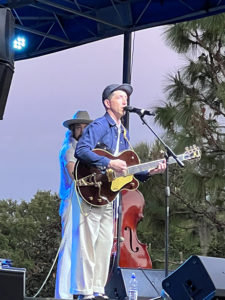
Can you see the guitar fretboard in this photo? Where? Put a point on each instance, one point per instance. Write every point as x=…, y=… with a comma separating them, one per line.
x=153, y=164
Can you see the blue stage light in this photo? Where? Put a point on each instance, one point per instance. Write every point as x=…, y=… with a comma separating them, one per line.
x=19, y=43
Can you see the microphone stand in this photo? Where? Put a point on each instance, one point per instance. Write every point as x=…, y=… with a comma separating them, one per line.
x=168, y=154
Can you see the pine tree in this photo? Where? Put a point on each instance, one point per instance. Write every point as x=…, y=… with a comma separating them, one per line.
x=194, y=114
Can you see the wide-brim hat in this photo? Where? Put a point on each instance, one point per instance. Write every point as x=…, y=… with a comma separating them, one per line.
x=115, y=87
x=80, y=117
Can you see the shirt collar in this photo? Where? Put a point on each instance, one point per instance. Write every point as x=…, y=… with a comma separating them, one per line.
x=112, y=122
x=110, y=119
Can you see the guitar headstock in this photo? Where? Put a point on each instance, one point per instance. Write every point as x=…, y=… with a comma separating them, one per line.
x=192, y=152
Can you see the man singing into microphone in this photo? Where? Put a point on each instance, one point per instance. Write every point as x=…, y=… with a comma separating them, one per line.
x=95, y=238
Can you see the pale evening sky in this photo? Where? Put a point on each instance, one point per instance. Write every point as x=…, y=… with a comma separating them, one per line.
x=47, y=90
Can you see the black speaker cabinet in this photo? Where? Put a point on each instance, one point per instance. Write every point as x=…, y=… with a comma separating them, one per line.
x=6, y=35
x=6, y=74
x=12, y=284
x=198, y=278
x=149, y=283
x=6, y=56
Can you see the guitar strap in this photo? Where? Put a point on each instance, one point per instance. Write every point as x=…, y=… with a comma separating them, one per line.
x=125, y=136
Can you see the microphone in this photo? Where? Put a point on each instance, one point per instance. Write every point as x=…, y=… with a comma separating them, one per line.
x=140, y=111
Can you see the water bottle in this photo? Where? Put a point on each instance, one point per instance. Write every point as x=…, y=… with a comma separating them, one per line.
x=133, y=288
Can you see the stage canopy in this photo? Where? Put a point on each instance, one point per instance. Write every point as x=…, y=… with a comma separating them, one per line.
x=54, y=25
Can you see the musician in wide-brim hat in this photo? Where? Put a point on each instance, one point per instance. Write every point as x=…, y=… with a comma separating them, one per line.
x=76, y=126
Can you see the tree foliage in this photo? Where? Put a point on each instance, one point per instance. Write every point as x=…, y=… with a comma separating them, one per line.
x=30, y=236
x=194, y=114
x=182, y=232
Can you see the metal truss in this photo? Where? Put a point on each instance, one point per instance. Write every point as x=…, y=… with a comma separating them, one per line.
x=54, y=25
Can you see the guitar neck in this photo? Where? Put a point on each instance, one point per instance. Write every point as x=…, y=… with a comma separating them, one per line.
x=152, y=164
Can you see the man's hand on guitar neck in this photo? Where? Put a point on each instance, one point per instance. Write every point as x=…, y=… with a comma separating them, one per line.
x=118, y=165
x=159, y=170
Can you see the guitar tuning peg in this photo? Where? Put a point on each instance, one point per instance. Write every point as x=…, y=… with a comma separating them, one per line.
x=186, y=149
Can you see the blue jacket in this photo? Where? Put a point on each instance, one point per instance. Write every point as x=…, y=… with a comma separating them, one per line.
x=103, y=133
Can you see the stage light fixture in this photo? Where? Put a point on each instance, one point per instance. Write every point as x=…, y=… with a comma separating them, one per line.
x=19, y=43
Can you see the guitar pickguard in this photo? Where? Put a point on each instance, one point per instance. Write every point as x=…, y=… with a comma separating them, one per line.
x=120, y=182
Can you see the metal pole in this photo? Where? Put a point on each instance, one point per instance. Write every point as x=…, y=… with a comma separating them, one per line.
x=127, y=68
x=167, y=215
x=126, y=79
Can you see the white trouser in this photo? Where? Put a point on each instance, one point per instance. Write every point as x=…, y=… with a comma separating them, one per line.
x=91, y=248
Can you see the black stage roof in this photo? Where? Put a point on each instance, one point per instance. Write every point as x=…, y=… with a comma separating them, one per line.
x=54, y=25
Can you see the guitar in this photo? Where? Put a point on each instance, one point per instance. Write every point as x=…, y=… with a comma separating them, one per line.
x=98, y=188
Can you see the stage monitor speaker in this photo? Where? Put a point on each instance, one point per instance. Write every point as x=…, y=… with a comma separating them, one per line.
x=12, y=284
x=198, y=278
x=6, y=56
x=149, y=283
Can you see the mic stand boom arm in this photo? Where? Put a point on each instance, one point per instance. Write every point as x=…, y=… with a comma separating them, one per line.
x=169, y=153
